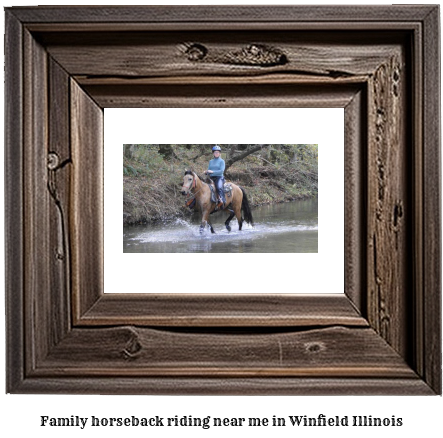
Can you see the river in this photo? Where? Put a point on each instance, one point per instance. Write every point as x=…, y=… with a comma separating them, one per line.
x=279, y=228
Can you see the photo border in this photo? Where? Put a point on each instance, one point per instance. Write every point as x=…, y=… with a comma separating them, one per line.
x=300, y=124
x=65, y=336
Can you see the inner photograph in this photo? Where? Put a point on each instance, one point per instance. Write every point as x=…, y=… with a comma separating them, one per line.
x=220, y=198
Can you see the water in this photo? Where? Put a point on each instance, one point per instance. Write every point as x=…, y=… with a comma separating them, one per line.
x=280, y=228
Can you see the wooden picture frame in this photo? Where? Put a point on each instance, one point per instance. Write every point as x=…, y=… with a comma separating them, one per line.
x=65, y=64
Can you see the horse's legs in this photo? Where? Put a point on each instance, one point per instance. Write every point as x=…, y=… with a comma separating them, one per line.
x=237, y=210
x=205, y=221
x=231, y=215
x=203, y=226
x=240, y=223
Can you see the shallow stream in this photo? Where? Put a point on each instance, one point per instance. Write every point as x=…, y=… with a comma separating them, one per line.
x=279, y=228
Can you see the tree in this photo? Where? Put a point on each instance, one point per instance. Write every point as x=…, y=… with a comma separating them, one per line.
x=202, y=150
x=248, y=150
x=167, y=151
x=128, y=150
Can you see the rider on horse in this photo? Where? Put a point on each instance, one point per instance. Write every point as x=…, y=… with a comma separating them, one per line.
x=215, y=171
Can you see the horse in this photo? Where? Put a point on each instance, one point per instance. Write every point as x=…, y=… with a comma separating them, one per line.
x=236, y=201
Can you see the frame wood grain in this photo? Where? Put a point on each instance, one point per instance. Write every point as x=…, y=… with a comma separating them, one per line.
x=64, y=65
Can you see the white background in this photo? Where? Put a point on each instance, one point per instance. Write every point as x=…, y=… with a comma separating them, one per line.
x=19, y=414
x=266, y=273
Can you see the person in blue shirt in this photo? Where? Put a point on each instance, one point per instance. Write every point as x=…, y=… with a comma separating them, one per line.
x=215, y=171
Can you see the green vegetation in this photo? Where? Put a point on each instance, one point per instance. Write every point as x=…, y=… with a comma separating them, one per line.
x=153, y=175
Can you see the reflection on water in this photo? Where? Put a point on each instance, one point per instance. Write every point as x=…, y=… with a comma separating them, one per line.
x=279, y=228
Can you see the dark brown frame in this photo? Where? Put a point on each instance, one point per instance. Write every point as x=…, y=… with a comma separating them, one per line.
x=64, y=65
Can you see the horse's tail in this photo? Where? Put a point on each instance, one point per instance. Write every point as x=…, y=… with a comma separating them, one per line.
x=246, y=208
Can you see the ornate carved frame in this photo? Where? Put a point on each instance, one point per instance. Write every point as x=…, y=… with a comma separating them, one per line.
x=64, y=65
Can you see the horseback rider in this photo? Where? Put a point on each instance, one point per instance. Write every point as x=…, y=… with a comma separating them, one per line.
x=215, y=171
